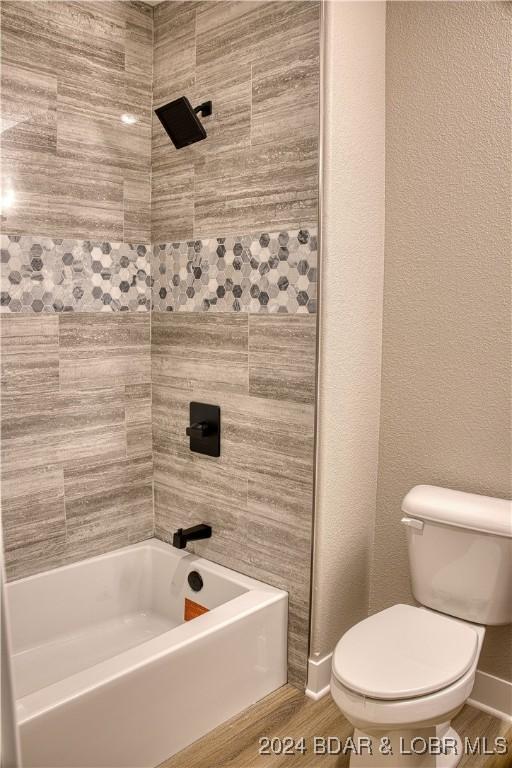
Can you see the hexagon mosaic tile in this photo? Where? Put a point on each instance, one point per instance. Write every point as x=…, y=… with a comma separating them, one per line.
x=40, y=274
x=266, y=272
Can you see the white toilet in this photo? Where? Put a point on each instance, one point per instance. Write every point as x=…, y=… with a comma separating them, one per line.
x=401, y=675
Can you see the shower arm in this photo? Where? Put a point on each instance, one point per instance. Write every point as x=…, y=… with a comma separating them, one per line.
x=205, y=109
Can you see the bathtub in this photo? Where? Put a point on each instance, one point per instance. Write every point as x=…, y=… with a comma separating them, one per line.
x=108, y=673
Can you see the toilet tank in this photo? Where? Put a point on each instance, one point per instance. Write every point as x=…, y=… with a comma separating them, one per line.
x=460, y=553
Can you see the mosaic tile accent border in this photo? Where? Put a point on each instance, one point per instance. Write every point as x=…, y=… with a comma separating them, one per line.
x=41, y=274
x=260, y=273
x=265, y=273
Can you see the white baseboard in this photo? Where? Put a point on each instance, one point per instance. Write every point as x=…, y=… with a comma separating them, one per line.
x=493, y=695
x=490, y=694
x=319, y=677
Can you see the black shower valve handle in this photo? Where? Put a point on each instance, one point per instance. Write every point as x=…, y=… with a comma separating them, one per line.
x=198, y=430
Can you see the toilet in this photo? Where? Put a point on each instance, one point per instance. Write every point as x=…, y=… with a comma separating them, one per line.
x=401, y=675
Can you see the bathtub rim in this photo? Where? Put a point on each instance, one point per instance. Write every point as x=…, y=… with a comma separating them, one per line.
x=248, y=582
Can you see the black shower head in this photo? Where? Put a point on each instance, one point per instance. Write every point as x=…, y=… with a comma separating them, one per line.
x=181, y=122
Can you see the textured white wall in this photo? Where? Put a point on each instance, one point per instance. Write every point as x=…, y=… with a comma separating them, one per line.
x=446, y=384
x=350, y=316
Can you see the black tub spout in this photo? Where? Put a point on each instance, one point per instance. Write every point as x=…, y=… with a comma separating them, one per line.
x=182, y=537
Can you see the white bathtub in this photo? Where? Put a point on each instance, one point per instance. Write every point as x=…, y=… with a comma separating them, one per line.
x=106, y=671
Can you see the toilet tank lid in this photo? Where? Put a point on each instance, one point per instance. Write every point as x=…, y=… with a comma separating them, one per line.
x=464, y=510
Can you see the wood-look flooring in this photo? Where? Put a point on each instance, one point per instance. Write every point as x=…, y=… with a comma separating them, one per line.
x=287, y=712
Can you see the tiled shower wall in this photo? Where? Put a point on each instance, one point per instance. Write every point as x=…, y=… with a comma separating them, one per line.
x=76, y=436
x=232, y=275
x=234, y=223
x=258, y=171
x=69, y=70
x=75, y=248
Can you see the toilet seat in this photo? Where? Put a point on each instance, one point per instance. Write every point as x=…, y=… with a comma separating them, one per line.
x=432, y=709
x=404, y=652
x=369, y=713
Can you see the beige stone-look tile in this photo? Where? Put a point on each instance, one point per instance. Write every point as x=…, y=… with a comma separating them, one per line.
x=25, y=38
x=76, y=183
x=276, y=437
x=172, y=189
x=70, y=70
x=172, y=203
x=33, y=518
x=110, y=92
x=138, y=100
x=277, y=537
x=227, y=29
x=138, y=396
x=119, y=12
x=29, y=353
x=60, y=36
x=86, y=200
x=99, y=350
x=139, y=441
x=288, y=501
x=103, y=21
x=28, y=174
x=29, y=142
x=36, y=136
x=139, y=47
x=70, y=218
x=139, y=438
x=229, y=127
x=174, y=51
x=192, y=349
x=171, y=418
x=268, y=187
x=285, y=87
x=102, y=140
x=272, y=438
x=100, y=438
x=27, y=97
x=84, y=37
x=282, y=355
x=62, y=428
x=137, y=207
x=190, y=489
x=108, y=504
x=214, y=17
x=91, y=94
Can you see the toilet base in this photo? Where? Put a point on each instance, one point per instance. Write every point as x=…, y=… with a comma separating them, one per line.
x=415, y=748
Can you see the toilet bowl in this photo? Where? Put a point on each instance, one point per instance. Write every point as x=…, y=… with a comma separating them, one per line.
x=401, y=675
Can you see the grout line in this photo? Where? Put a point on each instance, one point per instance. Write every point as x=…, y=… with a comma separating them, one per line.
x=151, y=264
x=250, y=102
